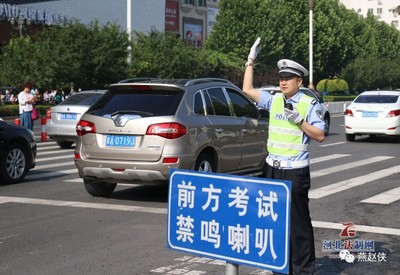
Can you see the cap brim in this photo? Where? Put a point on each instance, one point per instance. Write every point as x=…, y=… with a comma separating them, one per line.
x=285, y=73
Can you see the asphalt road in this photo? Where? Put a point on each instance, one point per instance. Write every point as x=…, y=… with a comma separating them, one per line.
x=51, y=225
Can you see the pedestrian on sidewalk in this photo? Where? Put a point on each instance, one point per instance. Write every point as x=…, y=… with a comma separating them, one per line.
x=26, y=102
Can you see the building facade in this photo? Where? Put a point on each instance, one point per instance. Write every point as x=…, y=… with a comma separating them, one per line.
x=384, y=10
x=192, y=20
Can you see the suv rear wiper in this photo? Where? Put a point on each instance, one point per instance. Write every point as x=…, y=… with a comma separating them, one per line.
x=132, y=112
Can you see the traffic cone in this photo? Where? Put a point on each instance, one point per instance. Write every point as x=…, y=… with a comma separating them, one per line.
x=43, y=134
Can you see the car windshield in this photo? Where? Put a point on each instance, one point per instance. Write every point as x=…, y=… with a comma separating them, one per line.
x=154, y=102
x=384, y=99
x=81, y=99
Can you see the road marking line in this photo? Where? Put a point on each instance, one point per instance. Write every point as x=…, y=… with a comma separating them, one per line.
x=329, y=157
x=74, y=180
x=55, y=158
x=79, y=180
x=54, y=152
x=385, y=197
x=350, y=183
x=332, y=144
x=358, y=228
x=119, y=207
x=47, y=175
x=347, y=166
x=45, y=143
x=58, y=164
x=42, y=148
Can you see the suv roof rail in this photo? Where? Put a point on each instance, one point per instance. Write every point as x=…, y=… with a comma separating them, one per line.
x=138, y=79
x=204, y=80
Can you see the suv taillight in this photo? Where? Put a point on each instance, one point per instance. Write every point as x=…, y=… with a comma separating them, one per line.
x=348, y=112
x=167, y=130
x=393, y=113
x=84, y=127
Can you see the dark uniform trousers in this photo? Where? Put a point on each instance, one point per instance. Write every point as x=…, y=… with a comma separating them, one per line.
x=302, y=250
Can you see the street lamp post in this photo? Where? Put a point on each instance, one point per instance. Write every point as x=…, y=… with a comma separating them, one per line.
x=311, y=7
x=20, y=24
x=129, y=28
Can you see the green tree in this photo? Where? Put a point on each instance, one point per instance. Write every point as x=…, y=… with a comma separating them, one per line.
x=384, y=74
x=340, y=35
x=164, y=56
x=108, y=59
x=332, y=85
x=15, y=62
x=90, y=56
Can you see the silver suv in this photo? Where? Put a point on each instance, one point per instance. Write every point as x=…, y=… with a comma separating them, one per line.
x=137, y=131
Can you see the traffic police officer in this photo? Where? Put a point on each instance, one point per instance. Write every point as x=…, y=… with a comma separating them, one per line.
x=295, y=119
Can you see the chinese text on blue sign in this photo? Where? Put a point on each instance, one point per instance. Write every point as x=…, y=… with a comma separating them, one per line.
x=242, y=220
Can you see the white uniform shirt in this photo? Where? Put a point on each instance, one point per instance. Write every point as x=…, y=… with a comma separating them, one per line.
x=22, y=99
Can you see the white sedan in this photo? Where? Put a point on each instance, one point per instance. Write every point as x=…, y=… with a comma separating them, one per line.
x=62, y=118
x=373, y=113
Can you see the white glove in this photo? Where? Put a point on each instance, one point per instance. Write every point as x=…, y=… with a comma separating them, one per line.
x=255, y=49
x=293, y=115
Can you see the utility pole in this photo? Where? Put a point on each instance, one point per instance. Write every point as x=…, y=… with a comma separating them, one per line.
x=129, y=28
x=311, y=7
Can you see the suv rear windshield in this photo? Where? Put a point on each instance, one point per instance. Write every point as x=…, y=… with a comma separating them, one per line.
x=376, y=99
x=146, y=102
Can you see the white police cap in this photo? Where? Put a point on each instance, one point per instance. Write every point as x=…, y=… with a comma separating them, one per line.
x=287, y=66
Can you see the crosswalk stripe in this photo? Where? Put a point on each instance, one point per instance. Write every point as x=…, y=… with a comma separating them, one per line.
x=327, y=158
x=48, y=147
x=332, y=144
x=74, y=180
x=51, y=174
x=52, y=165
x=347, y=166
x=43, y=144
x=53, y=152
x=385, y=197
x=55, y=158
x=358, y=228
x=353, y=182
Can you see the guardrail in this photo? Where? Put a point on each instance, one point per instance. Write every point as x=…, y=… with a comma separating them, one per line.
x=337, y=107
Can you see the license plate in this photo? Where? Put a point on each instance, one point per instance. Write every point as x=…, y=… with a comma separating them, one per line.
x=68, y=116
x=120, y=141
x=369, y=114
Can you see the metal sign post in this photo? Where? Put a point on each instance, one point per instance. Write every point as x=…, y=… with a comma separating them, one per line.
x=241, y=220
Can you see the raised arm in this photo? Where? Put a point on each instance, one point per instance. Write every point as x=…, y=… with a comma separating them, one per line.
x=248, y=86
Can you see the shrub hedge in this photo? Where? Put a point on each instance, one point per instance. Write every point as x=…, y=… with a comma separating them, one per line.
x=336, y=98
x=7, y=110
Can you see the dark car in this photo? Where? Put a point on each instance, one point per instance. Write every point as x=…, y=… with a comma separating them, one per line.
x=17, y=152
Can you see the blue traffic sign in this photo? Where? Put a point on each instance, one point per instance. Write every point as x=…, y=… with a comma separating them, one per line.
x=242, y=220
